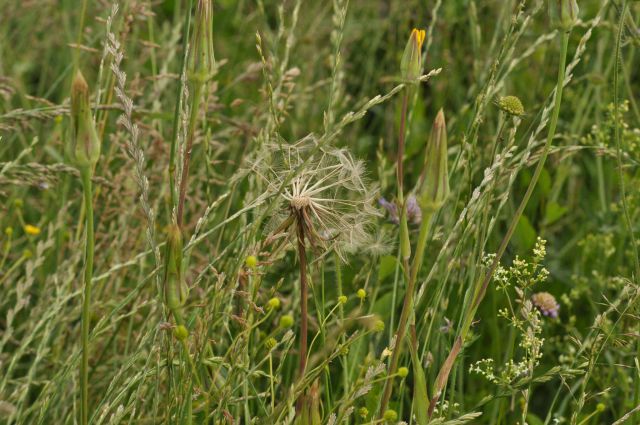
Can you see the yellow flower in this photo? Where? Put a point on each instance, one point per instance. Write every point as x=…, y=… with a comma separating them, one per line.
x=31, y=230
x=411, y=64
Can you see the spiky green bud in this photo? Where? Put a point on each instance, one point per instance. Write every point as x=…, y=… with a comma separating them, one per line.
x=563, y=13
x=83, y=147
x=435, y=184
x=511, y=105
x=411, y=63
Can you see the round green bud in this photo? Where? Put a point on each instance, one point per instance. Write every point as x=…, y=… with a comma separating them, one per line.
x=511, y=105
x=344, y=350
x=251, y=261
x=390, y=415
x=378, y=326
x=403, y=372
x=362, y=294
x=600, y=407
x=274, y=303
x=181, y=332
x=363, y=412
x=19, y=203
x=270, y=343
x=342, y=299
x=286, y=321
x=27, y=253
x=8, y=231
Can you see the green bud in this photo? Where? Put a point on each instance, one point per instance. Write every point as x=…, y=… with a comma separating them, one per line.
x=270, y=343
x=435, y=184
x=342, y=299
x=180, y=332
x=273, y=303
x=363, y=412
x=362, y=294
x=176, y=291
x=563, y=13
x=511, y=105
x=251, y=261
x=390, y=415
x=378, y=326
x=286, y=321
x=202, y=59
x=411, y=63
x=403, y=372
x=83, y=148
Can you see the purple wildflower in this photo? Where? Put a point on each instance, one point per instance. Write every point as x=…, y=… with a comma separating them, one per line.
x=414, y=213
x=546, y=303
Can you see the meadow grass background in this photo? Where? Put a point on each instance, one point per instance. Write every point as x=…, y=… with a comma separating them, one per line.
x=297, y=72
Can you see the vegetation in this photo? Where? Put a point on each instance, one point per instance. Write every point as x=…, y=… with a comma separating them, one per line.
x=310, y=212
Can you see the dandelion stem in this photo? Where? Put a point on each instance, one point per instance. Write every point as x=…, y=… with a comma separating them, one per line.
x=86, y=302
x=303, y=303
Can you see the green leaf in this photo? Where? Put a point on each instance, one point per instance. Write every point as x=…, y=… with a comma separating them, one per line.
x=387, y=267
x=554, y=212
x=525, y=235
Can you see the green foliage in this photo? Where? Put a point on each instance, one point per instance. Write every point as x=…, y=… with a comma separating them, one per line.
x=195, y=304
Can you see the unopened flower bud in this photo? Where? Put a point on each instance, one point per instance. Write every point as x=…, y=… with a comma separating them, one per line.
x=435, y=184
x=273, y=303
x=563, y=13
x=511, y=105
x=83, y=148
x=202, y=58
x=411, y=64
x=251, y=261
x=176, y=291
x=362, y=294
x=286, y=321
x=180, y=332
x=390, y=415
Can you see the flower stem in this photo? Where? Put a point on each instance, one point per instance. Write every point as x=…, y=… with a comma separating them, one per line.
x=86, y=302
x=303, y=304
x=407, y=307
x=481, y=289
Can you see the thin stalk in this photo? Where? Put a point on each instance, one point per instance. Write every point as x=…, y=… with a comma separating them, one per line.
x=625, y=208
x=193, y=118
x=303, y=304
x=481, y=289
x=407, y=308
x=177, y=111
x=86, y=302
